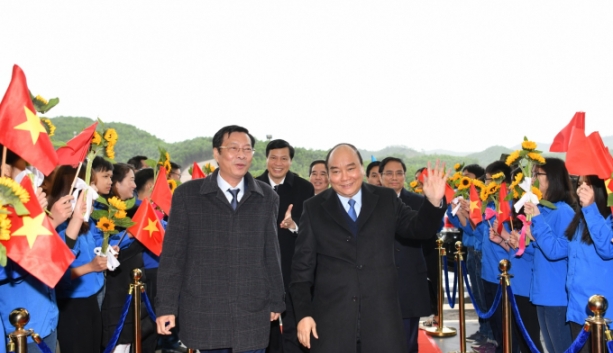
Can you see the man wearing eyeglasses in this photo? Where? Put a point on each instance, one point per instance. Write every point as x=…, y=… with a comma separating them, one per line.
x=175, y=172
x=220, y=269
x=292, y=191
x=413, y=289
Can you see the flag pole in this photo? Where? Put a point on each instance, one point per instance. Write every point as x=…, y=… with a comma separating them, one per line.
x=4, y=152
x=75, y=178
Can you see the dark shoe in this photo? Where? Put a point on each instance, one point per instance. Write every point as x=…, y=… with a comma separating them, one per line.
x=477, y=336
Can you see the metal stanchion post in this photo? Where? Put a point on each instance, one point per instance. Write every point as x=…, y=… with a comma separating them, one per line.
x=440, y=330
x=18, y=343
x=137, y=288
x=505, y=266
x=598, y=305
x=462, y=319
x=189, y=350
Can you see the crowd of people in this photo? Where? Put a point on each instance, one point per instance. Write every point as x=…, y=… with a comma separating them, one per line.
x=342, y=262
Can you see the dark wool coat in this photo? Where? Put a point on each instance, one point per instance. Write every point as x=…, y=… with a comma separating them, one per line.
x=220, y=269
x=353, y=274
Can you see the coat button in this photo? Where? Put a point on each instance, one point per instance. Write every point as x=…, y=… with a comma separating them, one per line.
x=359, y=267
x=397, y=249
x=348, y=240
x=355, y=299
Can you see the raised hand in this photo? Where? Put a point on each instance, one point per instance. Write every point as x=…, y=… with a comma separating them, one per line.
x=434, y=183
x=288, y=222
x=586, y=194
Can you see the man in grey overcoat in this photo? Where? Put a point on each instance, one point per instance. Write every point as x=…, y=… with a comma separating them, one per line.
x=220, y=266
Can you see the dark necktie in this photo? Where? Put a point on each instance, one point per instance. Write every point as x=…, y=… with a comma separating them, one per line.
x=276, y=187
x=234, y=202
x=351, y=211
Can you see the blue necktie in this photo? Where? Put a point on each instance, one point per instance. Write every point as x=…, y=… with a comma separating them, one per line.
x=234, y=202
x=351, y=211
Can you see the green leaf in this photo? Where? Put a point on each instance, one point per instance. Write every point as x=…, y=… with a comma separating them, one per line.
x=610, y=200
x=130, y=203
x=124, y=223
x=21, y=209
x=102, y=200
x=151, y=163
x=548, y=204
x=97, y=214
x=2, y=255
x=58, y=143
x=51, y=103
x=523, y=153
x=3, y=211
x=525, y=138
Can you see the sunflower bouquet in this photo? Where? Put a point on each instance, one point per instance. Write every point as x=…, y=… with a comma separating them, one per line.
x=13, y=194
x=115, y=215
x=461, y=184
x=489, y=192
x=207, y=169
x=415, y=186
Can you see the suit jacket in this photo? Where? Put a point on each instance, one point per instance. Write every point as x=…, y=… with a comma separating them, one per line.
x=414, y=293
x=293, y=191
x=220, y=268
x=353, y=274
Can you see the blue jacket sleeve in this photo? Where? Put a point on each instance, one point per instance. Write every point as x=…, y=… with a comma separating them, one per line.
x=548, y=232
x=600, y=230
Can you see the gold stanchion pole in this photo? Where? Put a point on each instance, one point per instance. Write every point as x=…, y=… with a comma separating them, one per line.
x=18, y=339
x=189, y=350
x=462, y=319
x=505, y=266
x=597, y=323
x=440, y=330
x=137, y=287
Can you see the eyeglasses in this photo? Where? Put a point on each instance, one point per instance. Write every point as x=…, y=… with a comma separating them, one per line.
x=234, y=149
x=389, y=174
x=539, y=174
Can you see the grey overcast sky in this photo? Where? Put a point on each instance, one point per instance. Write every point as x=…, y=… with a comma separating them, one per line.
x=456, y=75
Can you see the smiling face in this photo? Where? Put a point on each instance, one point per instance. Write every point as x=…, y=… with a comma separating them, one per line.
x=346, y=172
x=233, y=165
x=125, y=188
x=319, y=178
x=278, y=163
x=393, y=176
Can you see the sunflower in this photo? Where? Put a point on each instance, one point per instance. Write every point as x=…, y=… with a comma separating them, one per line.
x=537, y=192
x=5, y=227
x=413, y=184
x=528, y=145
x=96, y=139
x=172, y=184
x=418, y=190
x=515, y=194
x=105, y=225
x=50, y=126
x=120, y=214
x=117, y=203
x=110, y=152
x=478, y=183
x=457, y=166
x=483, y=195
x=111, y=136
x=536, y=157
x=492, y=188
x=15, y=188
x=512, y=158
x=455, y=176
x=167, y=156
x=167, y=166
x=464, y=183
x=497, y=176
x=40, y=100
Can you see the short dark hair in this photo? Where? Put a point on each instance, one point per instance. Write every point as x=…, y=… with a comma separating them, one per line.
x=11, y=157
x=226, y=131
x=600, y=199
x=344, y=144
x=136, y=162
x=100, y=164
x=418, y=171
x=120, y=171
x=475, y=169
x=277, y=144
x=314, y=163
x=499, y=167
x=371, y=165
x=142, y=177
x=386, y=160
x=174, y=165
x=559, y=188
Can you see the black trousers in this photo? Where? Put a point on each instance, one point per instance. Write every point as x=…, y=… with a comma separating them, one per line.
x=575, y=330
x=411, y=331
x=288, y=341
x=528, y=314
x=496, y=319
x=79, y=329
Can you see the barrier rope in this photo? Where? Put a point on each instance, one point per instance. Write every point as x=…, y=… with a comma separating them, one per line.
x=497, y=298
x=610, y=346
x=145, y=299
x=450, y=299
x=520, y=322
x=579, y=341
x=124, y=313
x=40, y=343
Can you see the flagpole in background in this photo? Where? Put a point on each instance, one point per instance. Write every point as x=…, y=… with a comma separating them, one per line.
x=4, y=152
x=74, y=181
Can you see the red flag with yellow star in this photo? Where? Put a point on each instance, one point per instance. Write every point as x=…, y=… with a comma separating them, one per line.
x=161, y=193
x=76, y=149
x=34, y=244
x=475, y=206
x=21, y=130
x=504, y=208
x=148, y=228
x=197, y=172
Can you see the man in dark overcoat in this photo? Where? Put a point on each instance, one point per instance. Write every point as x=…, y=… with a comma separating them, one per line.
x=292, y=191
x=344, y=251
x=220, y=266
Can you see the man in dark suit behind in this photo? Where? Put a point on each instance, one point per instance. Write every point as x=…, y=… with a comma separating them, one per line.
x=413, y=288
x=220, y=269
x=292, y=191
x=344, y=252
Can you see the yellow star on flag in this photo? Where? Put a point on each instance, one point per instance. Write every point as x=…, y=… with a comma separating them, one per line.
x=32, y=228
x=474, y=205
x=32, y=124
x=151, y=227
